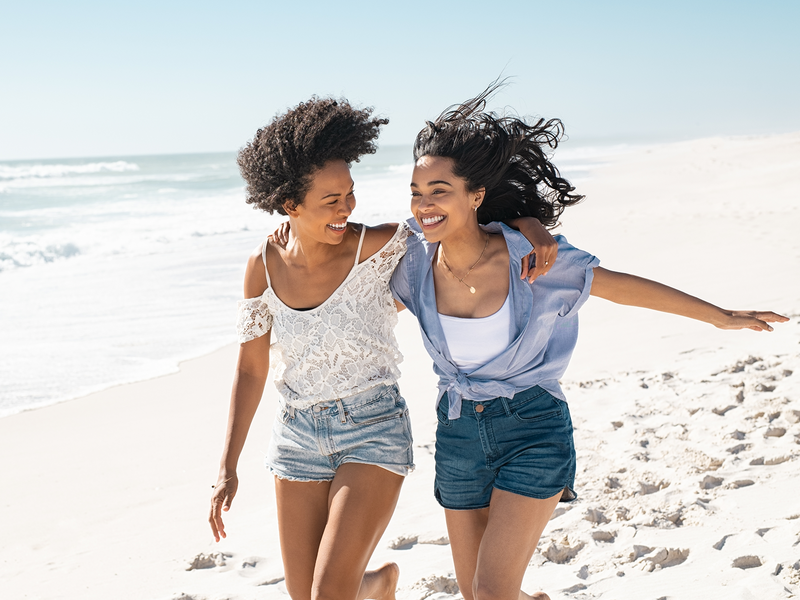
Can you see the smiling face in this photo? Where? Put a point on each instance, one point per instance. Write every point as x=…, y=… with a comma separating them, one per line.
x=325, y=208
x=440, y=200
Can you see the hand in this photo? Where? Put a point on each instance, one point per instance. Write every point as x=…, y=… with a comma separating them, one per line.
x=545, y=248
x=750, y=319
x=281, y=235
x=221, y=500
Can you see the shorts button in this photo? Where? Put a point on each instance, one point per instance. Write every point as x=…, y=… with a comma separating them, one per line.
x=479, y=408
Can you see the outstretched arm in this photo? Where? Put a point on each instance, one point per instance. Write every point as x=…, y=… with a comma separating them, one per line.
x=637, y=291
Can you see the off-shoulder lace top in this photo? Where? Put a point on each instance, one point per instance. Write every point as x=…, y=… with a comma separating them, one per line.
x=342, y=347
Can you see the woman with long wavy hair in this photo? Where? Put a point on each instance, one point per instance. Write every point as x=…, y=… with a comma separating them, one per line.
x=504, y=446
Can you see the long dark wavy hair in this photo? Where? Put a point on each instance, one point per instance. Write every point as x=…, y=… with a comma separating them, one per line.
x=279, y=162
x=503, y=154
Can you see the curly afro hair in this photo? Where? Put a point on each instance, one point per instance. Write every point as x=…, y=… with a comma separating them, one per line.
x=279, y=162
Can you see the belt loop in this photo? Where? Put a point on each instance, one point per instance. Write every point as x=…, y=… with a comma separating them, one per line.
x=506, y=406
x=340, y=406
x=291, y=411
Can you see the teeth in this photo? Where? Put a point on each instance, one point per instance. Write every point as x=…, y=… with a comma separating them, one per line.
x=338, y=226
x=431, y=220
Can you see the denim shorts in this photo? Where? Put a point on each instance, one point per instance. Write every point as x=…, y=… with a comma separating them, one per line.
x=521, y=445
x=371, y=428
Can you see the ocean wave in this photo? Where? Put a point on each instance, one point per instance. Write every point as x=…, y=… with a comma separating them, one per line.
x=227, y=231
x=19, y=254
x=98, y=182
x=60, y=170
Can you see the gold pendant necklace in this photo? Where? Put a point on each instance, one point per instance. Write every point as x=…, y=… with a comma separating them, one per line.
x=461, y=279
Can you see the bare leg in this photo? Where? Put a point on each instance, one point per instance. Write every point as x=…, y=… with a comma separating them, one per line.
x=302, y=515
x=507, y=533
x=360, y=503
x=465, y=529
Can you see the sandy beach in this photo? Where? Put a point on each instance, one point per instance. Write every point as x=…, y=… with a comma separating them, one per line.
x=688, y=437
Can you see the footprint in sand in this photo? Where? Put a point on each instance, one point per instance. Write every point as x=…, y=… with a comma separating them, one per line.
x=435, y=584
x=264, y=571
x=563, y=551
x=790, y=573
x=746, y=562
x=404, y=542
x=775, y=432
x=738, y=448
x=740, y=483
x=710, y=482
x=560, y=510
x=650, y=559
x=721, y=544
x=793, y=416
x=601, y=535
x=208, y=561
x=596, y=516
x=646, y=488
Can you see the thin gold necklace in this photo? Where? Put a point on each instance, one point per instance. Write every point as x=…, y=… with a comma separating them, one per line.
x=461, y=279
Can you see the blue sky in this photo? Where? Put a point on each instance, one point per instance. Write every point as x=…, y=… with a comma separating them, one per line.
x=108, y=78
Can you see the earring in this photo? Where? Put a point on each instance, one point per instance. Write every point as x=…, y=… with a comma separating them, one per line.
x=475, y=208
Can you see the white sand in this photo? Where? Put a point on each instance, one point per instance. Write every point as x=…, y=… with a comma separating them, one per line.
x=687, y=436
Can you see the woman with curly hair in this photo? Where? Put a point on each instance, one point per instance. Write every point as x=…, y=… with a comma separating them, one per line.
x=341, y=443
x=504, y=449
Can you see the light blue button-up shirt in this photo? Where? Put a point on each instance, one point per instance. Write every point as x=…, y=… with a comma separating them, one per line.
x=544, y=324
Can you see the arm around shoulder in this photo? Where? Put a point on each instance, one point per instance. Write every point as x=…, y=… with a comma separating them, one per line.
x=376, y=238
x=631, y=290
x=545, y=247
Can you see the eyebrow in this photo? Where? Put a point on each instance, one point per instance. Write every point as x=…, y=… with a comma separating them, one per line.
x=332, y=194
x=434, y=182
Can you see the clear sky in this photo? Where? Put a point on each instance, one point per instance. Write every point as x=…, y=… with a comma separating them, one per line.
x=84, y=78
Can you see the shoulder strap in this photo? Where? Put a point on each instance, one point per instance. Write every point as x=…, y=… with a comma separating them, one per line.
x=264, y=258
x=360, y=243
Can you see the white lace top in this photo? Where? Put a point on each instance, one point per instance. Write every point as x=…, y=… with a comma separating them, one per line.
x=344, y=346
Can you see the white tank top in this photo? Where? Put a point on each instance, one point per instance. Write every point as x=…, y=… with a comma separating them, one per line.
x=474, y=342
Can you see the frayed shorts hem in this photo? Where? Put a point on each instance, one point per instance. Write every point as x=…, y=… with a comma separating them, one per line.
x=402, y=470
x=284, y=477
x=567, y=495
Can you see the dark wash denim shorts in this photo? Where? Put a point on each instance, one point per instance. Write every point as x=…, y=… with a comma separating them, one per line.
x=371, y=427
x=521, y=445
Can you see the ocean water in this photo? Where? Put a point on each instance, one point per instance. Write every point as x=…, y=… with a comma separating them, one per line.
x=116, y=269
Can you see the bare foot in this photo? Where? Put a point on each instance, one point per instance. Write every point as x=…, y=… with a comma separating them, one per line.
x=380, y=584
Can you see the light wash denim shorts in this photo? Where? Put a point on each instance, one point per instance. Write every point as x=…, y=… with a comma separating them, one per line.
x=521, y=445
x=371, y=428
